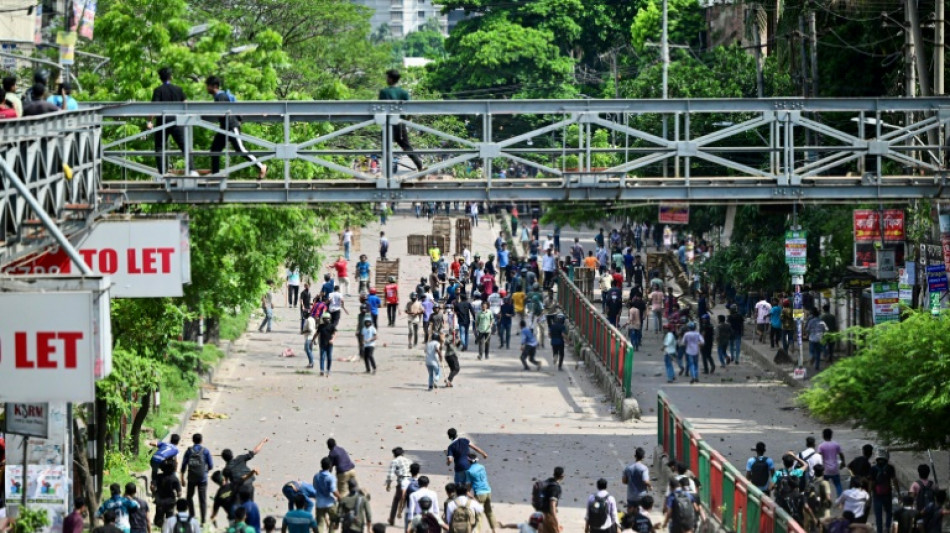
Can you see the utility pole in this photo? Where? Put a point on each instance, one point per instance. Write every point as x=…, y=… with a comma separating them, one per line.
x=665, y=53
x=813, y=37
x=923, y=75
x=910, y=74
x=804, y=57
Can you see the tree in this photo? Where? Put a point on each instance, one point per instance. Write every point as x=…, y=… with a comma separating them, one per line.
x=686, y=23
x=427, y=43
x=895, y=385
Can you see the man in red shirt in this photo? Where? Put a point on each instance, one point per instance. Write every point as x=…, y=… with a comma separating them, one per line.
x=488, y=284
x=7, y=111
x=456, y=267
x=341, y=276
x=617, y=278
x=391, y=293
x=73, y=523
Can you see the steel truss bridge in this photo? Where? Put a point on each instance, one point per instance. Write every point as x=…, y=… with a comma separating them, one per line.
x=702, y=151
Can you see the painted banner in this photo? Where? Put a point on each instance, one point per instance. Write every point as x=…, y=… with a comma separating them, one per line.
x=867, y=225
x=885, y=299
x=86, y=15
x=674, y=214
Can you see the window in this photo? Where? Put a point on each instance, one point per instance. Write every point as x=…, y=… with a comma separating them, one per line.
x=421, y=15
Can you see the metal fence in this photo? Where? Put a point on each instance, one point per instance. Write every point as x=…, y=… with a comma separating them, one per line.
x=724, y=491
x=610, y=345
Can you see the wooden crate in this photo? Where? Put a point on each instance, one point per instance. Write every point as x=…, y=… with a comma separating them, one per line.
x=463, y=235
x=584, y=280
x=437, y=240
x=442, y=226
x=384, y=269
x=417, y=244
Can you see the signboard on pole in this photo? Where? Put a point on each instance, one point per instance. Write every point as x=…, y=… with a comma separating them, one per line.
x=796, y=252
x=935, y=303
x=31, y=419
x=58, y=359
x=145, y=258
x=943, y=220
x=674, y=213
x=869, y=226
x=936, y=278
x=885, y=299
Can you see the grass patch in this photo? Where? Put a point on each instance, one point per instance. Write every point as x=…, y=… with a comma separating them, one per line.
x=233, y=326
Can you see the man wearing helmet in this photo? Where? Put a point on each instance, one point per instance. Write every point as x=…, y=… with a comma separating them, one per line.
x=692, y=341
x=391, y=293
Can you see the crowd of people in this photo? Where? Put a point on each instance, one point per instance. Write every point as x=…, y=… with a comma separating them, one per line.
x=36, y=99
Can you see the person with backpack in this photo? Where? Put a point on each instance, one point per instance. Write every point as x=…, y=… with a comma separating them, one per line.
x=427, y=521
x=550, y=497
x=932, y=515
x=231, y=124
x=860, y=466
x=682, y=508
x=795, y=468
x=239, y=525
x=637, y=518
x=905, y=518
x=601, y=515
x=121, y=505
x=461, y=511
x=884, y=485
x=183, y=521
x=760, y=469
x=923, y=489
x=788, y=495
x=818, y=498
x=810, y=455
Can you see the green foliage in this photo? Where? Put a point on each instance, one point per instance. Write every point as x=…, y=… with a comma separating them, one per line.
x=895, y=385
x=686, y=23
x=31, y=520
x=425, y=43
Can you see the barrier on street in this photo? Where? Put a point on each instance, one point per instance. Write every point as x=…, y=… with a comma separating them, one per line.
x=724, y=491
x=612, y=347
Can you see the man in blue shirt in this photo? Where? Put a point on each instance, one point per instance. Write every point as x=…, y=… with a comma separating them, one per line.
x=760, y=469
x=292, y=489
x=120, y=505
x=299, y=520
x=340, y=460
x=166, y=450
x=504, y=259
x=458, y=452
x=362, y=273
x=253, y=517
x=374, y=302
x=197, y=463
x=529, y=346
x=324, y=483
x=327, y=286
x=477, y=477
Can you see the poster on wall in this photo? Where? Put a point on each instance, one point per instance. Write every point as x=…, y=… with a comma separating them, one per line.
x=885, y=299
x=674, y=213
x=869, y=226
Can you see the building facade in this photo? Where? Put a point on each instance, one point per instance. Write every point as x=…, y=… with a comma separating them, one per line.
x=404, y=16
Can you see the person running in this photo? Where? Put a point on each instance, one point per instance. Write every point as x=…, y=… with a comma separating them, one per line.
x=550, y=500
x=400, y=132
x=529, y=346
x=476, y=477
x=231, y=124
x=450, y=354
x=399, y=473
x=457, y=453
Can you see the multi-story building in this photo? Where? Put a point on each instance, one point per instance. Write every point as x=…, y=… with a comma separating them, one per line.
x=404, y=16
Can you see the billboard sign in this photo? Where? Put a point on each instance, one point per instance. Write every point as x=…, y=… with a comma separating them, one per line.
x=868, y=225
x=885, y=298
x=31, y=419
x=674, y=214
x=57, y=343
x=145, y=258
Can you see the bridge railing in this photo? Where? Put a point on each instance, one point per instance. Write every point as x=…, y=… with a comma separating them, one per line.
x=609, y=344
x=723, y=490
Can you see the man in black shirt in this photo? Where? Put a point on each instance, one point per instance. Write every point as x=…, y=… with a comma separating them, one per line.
x=400, y=132
x=167, y=490
x=231, y=123
x=166, y=92
x=38, y=105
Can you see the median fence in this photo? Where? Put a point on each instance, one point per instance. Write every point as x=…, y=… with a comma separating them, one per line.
x=608, y=344
x=724, y=491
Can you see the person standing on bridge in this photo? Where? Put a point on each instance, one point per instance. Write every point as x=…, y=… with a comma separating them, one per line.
x=400, y=132
x=166, y=92
x=232, y=124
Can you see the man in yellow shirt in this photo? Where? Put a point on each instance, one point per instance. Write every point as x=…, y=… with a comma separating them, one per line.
x=518, y=299
x=435, y=254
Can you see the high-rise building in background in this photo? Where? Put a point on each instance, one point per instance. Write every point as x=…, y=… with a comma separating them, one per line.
x=404, y=16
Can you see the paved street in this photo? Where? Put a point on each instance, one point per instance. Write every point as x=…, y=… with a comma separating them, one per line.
x=528, y=422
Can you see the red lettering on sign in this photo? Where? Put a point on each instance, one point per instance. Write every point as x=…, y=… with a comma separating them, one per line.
x=148, y=261
x=108, y=261
x=166, y=254
x=46, y=350
x=130, y=256
x=87, y=256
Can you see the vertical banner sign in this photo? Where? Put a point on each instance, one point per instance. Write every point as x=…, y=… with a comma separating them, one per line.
x=936, y=279
x=796, y=248
x=885, y=299
x=38, y=25
x=674, y=213
x=935, y=303
x=67, y=47
x=944, y=221
x=87, y=22
x=906, y=291
x=869, y=226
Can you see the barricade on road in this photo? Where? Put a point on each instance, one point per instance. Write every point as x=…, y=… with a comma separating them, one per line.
x=724, y=491
x=609, y=344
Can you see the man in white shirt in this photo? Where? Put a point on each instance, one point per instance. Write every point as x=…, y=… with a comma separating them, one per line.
x=601, y=515
x=335, y=305
x=347, y=241
x=462, y=499
x=181, y=516
x=810, y=455
x=412, y=508
x=548, y=266
x=762, y=309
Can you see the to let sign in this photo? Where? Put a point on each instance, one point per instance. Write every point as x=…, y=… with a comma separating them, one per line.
x=43, y=358
x=143, y=257
x=31, y=419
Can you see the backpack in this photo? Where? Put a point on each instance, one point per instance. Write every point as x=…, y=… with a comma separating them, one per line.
x=597, y=512
x=814, y=498
x=230, y=95
x=428, y=524
x=684, y=516
x=905, y=519
x=792, y=503
x=463, y=519
x=925, y=494
x=791, y=480
x=759, y=473
x=197, y=468
x=882, y=480
x=182, y=527
x=537, y=494
x=349, y=520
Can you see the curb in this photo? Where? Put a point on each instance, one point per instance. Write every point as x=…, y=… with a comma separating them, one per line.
x=601, y=374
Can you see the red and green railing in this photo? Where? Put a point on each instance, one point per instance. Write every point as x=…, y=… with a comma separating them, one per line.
x=724, y=490
x=611, y=346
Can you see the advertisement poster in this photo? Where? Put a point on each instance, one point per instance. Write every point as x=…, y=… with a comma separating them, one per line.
x=674, y=214
x=796, y=248
x=868, y=226
x=936, y=278
x=944, y=221
x=885, y=298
